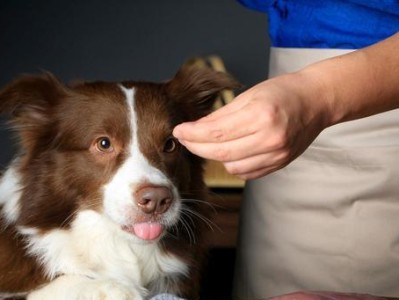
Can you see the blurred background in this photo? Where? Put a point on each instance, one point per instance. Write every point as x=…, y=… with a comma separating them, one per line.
x=137, y=40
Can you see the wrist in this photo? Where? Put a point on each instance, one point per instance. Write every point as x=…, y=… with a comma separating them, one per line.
x=316, y=97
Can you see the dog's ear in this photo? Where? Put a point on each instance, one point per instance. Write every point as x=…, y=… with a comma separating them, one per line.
x=28, y=101
x=29, y=97
x=195, y=89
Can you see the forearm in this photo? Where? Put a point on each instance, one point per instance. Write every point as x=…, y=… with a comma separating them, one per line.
x=356, y=85
x=272, y=123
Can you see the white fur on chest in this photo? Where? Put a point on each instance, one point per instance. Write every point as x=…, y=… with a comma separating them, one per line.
x=96, y=248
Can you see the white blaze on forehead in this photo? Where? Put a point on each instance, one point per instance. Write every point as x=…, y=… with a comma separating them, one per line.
x=139, y=167
x=136, y=169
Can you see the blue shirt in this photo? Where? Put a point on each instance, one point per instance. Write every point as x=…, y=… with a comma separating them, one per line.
x=340, y=24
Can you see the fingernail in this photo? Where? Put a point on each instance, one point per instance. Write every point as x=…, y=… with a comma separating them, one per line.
x=182, y=142
x=177, y=132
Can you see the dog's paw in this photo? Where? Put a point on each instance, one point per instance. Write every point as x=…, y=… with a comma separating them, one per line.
x=83, y=288
x=106, y=290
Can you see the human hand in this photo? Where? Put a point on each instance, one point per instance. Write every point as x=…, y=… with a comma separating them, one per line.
x=262, y=130
x=326, y=296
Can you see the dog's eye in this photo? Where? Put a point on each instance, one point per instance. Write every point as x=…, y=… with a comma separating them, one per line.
x=170, y=145
x=104, y=144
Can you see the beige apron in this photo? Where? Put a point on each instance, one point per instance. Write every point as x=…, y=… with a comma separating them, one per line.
x=329, y=220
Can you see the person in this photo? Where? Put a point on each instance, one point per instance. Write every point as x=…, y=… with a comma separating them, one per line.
x=318, y=143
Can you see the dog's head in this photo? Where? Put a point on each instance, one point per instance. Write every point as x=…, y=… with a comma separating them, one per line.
x=107, y=147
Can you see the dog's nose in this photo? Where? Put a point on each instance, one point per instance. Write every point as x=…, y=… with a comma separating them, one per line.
x=154, y=199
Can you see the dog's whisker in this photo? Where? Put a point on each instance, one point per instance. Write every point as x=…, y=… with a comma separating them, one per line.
x=189, y=223
x=189, y=231
x=211, y=205
x=186, y=215
x=207, y=221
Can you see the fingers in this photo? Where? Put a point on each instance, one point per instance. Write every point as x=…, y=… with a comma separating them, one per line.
x=258, y=165
x=227, y=123
x=252, y=144
x=225, y=128
x=227, y=151
x=325, y=296
x=239, y=102
x=246, y=157
x=249, y=164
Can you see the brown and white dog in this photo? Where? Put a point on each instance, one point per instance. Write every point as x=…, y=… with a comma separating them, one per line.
x=101, y=201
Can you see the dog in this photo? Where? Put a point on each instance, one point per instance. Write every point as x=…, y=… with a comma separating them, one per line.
x=101, y=201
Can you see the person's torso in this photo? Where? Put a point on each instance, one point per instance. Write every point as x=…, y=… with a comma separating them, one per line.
x=337, y=24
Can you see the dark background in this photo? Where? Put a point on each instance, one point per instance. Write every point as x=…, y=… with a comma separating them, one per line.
x=131, y=39
x=127, y=39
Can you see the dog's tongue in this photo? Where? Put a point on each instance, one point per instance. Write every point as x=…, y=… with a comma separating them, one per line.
x=148, y=231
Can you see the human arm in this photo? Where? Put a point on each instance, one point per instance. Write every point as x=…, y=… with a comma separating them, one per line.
x=327, y=296
x=269, y=125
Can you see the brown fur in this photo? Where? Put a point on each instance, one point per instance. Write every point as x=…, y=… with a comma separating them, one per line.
x=58, y=127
